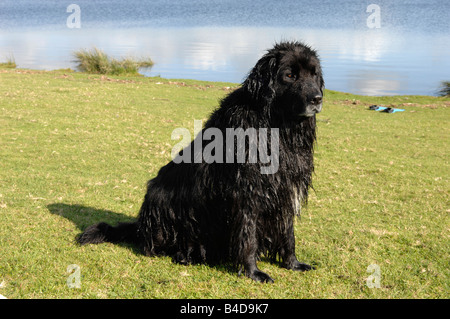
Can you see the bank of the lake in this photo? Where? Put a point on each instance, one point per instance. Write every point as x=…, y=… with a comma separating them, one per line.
x=78, y=148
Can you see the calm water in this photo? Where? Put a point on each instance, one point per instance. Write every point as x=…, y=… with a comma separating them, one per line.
x=221, y=40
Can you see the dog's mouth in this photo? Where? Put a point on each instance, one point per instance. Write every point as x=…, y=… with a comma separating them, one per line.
x=312, y=109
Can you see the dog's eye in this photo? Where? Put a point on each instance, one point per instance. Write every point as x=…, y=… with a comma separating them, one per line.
x=291, y=76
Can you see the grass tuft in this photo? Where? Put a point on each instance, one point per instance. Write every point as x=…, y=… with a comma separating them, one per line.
x=444, y=89
x=98, y=62
x=9, y=64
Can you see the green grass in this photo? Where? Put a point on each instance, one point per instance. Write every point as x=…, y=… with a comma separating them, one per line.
x=98, y=62
x=77, y=149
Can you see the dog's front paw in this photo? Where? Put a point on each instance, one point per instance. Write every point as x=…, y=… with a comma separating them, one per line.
x=298, y=266
x=259, y=276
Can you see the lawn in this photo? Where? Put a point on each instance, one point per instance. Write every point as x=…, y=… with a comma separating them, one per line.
x=77, y=149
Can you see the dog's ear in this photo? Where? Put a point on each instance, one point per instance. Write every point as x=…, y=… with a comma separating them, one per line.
x=322, y=83
x=261, y=80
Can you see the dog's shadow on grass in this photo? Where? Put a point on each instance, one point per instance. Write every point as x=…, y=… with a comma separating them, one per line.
x=84, y=216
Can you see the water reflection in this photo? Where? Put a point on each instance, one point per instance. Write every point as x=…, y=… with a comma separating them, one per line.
x=372, y=62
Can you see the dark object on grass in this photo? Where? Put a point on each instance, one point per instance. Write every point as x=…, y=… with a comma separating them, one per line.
x=231, y=212
x=445, y=89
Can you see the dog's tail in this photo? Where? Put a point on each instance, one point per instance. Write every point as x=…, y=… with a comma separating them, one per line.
x=102, y=232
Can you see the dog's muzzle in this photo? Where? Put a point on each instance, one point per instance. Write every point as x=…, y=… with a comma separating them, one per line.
x=314, y=106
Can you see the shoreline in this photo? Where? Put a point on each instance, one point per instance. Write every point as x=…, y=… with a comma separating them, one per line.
x=184, y=82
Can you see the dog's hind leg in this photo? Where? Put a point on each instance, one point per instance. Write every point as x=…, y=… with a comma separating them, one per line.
x=185, y=257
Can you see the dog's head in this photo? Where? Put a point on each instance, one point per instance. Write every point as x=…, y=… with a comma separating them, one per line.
x=290, y=76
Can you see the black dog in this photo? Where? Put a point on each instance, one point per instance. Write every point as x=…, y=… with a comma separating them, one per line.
x=200, y=211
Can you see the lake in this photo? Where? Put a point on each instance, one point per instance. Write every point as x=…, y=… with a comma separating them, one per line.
x=366, y=47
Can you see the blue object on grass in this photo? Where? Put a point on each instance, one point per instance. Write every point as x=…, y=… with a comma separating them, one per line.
x=385, y=109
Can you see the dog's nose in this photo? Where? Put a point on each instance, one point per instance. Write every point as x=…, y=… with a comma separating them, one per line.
x=317, y=100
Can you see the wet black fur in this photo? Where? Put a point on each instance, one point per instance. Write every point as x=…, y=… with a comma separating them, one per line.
x=223, y=212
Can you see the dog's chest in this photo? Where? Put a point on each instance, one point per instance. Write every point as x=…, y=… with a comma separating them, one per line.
x=297, y=200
